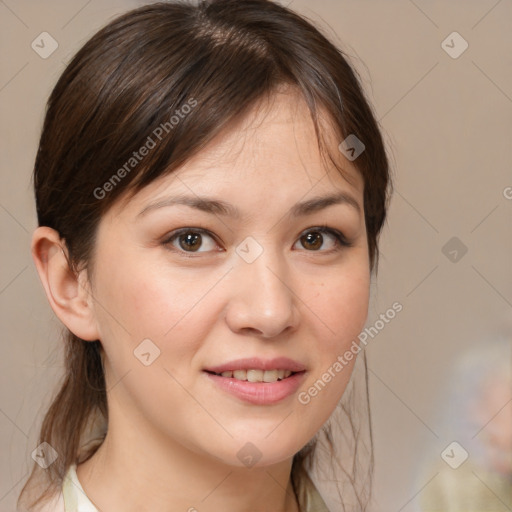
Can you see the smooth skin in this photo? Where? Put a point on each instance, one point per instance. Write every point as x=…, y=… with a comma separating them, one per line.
x=173, y=435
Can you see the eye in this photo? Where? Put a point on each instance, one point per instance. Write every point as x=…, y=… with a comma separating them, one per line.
x=314, y=239
x=190, y=240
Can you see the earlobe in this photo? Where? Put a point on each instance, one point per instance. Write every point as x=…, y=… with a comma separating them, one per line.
x=66, y=291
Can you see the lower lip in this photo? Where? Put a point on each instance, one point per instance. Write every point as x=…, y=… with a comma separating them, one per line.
x=259, y=393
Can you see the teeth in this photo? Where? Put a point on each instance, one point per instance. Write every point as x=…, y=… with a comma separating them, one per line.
x=254, y=375
x=240, y=374
x=270, y=376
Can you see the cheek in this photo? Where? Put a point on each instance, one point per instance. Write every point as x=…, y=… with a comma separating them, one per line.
x=137, y=295
x=339, y=309
x=143, y=300
x=341, y=305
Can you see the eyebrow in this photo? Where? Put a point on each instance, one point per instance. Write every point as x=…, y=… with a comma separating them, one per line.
x=219, y=207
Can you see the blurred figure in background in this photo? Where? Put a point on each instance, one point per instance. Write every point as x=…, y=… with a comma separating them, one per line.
x=475, y=474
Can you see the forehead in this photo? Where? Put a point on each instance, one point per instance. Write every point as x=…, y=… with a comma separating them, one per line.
x=271, y=152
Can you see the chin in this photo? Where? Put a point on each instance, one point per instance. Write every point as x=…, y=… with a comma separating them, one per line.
x=257, y=452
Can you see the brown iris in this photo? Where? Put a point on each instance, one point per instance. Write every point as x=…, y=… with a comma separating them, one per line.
x=192, y=241
x=314, y=238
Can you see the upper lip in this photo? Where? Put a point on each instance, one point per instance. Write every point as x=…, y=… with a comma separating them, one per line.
x=255, y=363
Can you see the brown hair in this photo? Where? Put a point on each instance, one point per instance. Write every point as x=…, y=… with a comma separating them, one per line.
x=219, y=57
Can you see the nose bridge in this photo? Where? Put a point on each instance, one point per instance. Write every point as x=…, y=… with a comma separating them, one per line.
x=263, y=299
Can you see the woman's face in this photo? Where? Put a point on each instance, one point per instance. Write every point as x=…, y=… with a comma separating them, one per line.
x=222, y=266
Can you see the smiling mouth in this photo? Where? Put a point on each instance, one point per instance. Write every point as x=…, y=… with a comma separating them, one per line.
x=256, y=375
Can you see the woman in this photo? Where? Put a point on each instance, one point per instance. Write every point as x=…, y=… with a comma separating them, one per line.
x=210, y=187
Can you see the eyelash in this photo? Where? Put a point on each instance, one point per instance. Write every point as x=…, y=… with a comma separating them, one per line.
x=340, y=240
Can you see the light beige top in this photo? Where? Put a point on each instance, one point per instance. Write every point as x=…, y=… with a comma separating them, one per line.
x=469, y=488
x=73, y=497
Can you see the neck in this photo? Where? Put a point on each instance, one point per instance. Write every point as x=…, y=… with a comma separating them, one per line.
x=137, y=470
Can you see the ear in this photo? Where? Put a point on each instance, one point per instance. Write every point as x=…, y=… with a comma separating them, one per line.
x=68, y=293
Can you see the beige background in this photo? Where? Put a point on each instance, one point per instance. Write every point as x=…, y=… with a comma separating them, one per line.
x=448, y=124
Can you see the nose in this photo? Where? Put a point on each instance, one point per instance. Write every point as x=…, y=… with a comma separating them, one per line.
x=263, y=302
